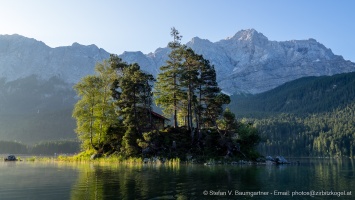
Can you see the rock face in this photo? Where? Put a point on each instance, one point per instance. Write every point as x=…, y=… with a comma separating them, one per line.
x=22, y=57
x=249, y=63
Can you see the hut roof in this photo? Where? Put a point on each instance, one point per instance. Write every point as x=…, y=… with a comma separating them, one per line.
x=159, y=116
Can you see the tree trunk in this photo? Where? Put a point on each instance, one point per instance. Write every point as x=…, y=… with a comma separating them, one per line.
x=175, y=104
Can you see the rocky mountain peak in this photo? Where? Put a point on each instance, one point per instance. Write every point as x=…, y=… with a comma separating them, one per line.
x=249, y=35
x=197, y=41
x=247, y=62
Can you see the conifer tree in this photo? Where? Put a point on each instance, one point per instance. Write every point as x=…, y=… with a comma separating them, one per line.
x=168, y=91
x=190, y=82
x=210, y=98
x=134, y=106
x=187, y=87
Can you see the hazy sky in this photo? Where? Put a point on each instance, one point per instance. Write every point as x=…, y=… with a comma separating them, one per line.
x=133, y=25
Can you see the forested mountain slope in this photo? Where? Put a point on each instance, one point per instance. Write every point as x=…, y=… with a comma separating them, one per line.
x=302, y=96
x=323, y=134
x=33, y=110
x=313, y=116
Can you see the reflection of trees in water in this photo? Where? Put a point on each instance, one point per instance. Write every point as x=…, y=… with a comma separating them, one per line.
x=336, y=174
x=185, y=181
x=150, y=181
x=312, y=174
x=119, y=181
x=88, y=185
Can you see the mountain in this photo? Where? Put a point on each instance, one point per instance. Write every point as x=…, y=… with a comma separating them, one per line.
x=33, y=110
x=36, y=95
x=249, y=63
x=306, y=95
x=21, y=57
x=245, y=63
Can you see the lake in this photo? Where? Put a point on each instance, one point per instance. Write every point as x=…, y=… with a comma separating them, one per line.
x=318, y=178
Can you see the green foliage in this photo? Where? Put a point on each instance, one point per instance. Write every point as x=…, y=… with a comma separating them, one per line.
x=323, y=134
x=134, y=103
x=115, y=107
x=312, y=116
x=94, y=112
x=114, y=113
x=211, y=99
x=237, y=137
x=134, y=106
x=187, y=88
x=248, y=138
x=129, y=144
x=169, y=143
x=228, y=121
x=209, y=143
x=169, y=94
x=305, y=95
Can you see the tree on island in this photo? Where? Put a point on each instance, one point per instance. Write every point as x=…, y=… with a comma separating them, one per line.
x=168, y=93
x=114, y=113
x=95, y=111
x=134, y=106
x=187, y=87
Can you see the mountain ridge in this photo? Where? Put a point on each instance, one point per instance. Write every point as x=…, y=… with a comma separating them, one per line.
x=22, y=57
x=247, y=62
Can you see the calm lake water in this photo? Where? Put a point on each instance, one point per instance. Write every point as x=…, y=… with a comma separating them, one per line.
x=43, y=180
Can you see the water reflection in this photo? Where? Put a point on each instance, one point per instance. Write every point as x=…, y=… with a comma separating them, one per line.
x=55, y=180
x=162, y=182
x=30, y=180
x=190, y=181
x=125, y=181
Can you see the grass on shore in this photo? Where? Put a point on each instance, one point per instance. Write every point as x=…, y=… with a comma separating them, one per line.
x=86, y=157
x=35, y=158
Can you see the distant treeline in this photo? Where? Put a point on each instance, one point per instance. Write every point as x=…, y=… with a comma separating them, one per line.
x=46, y=148
x=324, y=134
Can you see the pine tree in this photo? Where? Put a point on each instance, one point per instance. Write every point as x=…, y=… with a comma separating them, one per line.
x=187, y=87
x=189, y=82
x=134, y=106
x=211, y=99
x=168, y=92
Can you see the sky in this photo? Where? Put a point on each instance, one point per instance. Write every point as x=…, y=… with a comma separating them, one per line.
x=144, y=25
